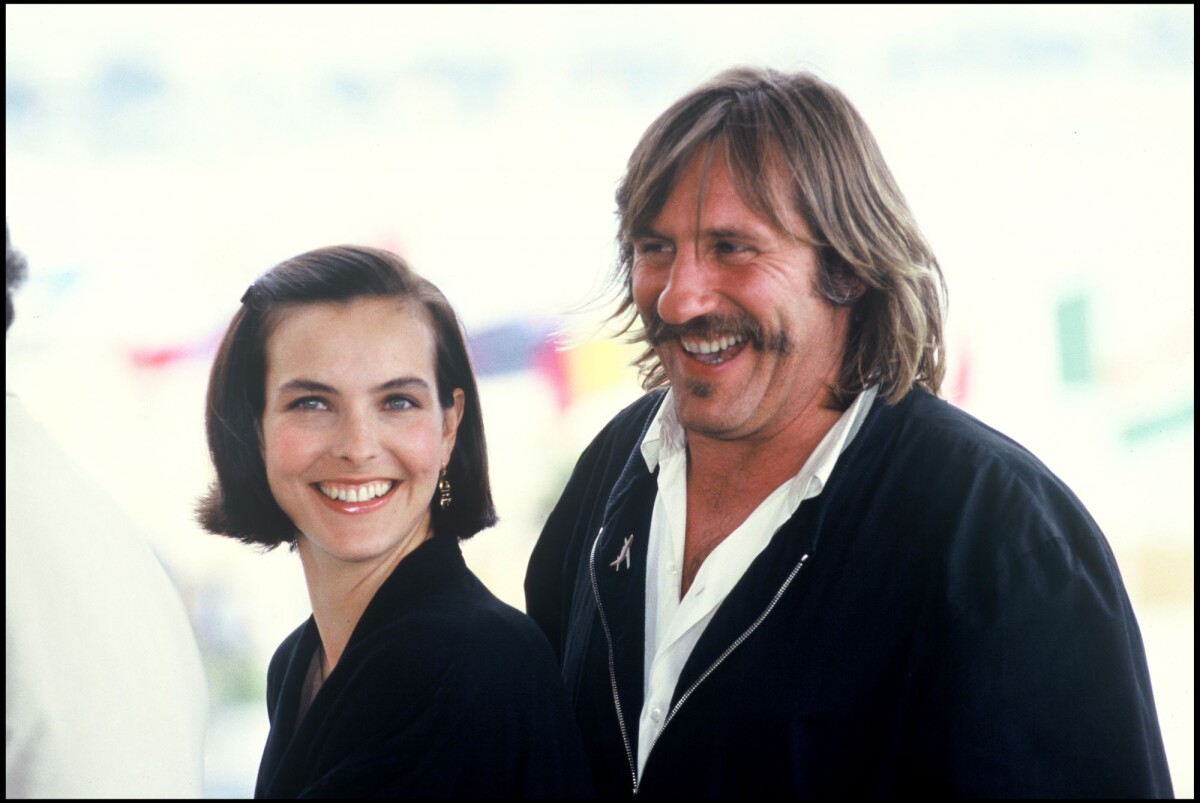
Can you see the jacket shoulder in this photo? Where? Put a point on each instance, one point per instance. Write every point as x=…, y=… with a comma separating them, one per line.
x=625, y=429
x=554, y=563
x=970, y=493
x=940, y=437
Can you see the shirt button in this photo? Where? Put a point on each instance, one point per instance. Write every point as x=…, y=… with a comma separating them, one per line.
x=671, y=568
x=656, y=714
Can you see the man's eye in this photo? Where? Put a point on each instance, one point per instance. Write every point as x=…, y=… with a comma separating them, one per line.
x=651, y=247
x=733, y=253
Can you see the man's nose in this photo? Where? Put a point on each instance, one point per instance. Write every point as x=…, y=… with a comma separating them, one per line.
x=691, y=289
x=357, y=439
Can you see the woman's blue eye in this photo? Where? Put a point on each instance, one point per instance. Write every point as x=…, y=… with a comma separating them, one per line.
x=398, y=403
x=308, y=403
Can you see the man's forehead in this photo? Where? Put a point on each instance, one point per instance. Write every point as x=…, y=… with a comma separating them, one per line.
x=721, y=201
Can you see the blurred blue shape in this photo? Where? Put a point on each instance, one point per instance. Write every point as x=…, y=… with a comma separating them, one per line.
x=20, y=100
x=476, y=86
x=510, y=347
x=126, y=82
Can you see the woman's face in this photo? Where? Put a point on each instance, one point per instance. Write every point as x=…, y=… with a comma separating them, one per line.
x=353, y=435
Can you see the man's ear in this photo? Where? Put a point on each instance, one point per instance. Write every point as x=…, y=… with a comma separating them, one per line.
x=851, y=288
x=839, y=282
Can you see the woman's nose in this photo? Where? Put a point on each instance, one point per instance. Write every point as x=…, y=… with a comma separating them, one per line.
x=357, y=441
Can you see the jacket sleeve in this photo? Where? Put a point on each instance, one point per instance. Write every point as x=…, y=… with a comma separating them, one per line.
x=1047, y=686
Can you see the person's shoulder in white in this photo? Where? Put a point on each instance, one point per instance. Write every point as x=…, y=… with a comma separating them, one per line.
x=105, y=694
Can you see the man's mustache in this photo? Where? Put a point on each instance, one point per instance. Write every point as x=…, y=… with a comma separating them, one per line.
x=710, y=327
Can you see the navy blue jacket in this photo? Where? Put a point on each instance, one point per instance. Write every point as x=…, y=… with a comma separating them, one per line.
x=944, y=619
x=443, y=691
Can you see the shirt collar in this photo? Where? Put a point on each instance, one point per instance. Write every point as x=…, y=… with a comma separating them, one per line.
x=835, y=441
x=665, y=437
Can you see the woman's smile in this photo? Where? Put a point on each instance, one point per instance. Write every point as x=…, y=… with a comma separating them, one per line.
x=359, y=497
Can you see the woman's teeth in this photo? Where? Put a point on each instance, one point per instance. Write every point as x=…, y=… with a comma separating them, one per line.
x=356, y=493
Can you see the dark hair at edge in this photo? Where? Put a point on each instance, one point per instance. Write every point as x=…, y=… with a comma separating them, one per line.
x=820, y=160
x=239, y=503
x=15, y=270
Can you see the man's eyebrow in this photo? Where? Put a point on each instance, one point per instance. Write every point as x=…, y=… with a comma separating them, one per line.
x=647, y=231
x=732, y=232
x=718, y=233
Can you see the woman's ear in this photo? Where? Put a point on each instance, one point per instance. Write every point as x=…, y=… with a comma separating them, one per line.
x=451, y=418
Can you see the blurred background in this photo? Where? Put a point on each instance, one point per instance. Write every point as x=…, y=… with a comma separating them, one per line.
x=159, y=158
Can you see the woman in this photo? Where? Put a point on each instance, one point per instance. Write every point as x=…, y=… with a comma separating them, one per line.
x=343, y=419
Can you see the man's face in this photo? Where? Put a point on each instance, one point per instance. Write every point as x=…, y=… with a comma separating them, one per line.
x=731, y=307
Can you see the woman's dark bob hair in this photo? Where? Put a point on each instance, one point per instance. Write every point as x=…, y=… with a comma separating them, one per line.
x=239, y=504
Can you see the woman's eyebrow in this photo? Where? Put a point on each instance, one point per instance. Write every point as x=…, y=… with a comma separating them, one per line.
x=312, y=386
x=307, y=386
x=402, y=382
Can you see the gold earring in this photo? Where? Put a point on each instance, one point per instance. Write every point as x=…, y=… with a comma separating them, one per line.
x=443, y=487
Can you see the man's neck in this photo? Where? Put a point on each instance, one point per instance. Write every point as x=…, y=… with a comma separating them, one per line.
x=728, y=479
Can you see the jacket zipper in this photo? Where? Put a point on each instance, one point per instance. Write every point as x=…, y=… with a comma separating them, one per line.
x=721, y=658
x=612, y=671
x=612, y=674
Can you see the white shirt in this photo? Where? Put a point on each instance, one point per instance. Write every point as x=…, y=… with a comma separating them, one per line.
x=104, y=692
x=674, y=625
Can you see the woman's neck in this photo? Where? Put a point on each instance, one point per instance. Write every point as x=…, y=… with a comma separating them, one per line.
x=340, y=591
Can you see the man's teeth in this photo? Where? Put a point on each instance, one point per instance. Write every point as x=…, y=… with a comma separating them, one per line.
x=358, y=493
x=711, y=346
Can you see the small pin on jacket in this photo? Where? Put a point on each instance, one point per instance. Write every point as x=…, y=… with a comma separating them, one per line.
x=623, y=555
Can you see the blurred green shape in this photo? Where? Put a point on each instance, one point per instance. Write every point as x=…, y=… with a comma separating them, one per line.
x=1073, y=318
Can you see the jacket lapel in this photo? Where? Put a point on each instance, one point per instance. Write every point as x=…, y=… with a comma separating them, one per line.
x=283, y=749
x=618, y=569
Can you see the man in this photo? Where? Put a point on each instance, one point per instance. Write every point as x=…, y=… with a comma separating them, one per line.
x=104, y=690
x=790, y=569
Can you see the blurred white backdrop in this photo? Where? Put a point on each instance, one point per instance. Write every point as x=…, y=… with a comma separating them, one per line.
x=159, y=158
